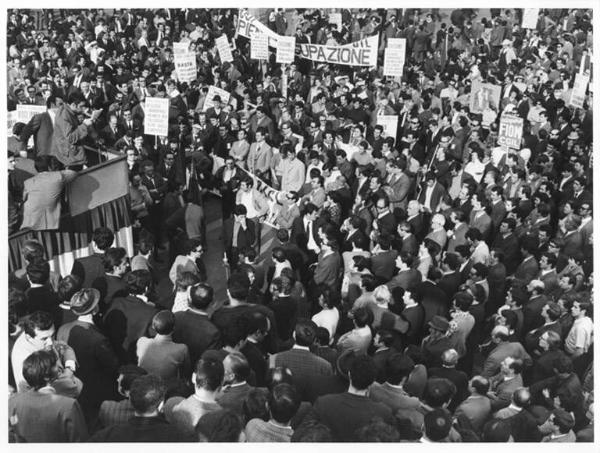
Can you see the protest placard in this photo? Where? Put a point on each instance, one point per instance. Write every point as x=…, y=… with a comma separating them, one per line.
x=396, y=43
x=185, y=66
x=284, y=85
x=224, y=48
x=510, y=131
x=579, y=89
x=360, y=53
x=259, y=46
x=285, y=49
x=247, y=25
x=156, y=116
x=12, y=120
x=212, y=92
x=484, y=96
x=181, y=47
x=336, y=19
x=389, y=123
x=393, y=61
x=530, y=17
x=27, y=111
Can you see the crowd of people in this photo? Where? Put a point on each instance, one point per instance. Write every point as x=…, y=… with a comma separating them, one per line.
x=432, y=286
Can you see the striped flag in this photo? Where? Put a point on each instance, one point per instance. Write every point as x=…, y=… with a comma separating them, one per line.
x=268, y=238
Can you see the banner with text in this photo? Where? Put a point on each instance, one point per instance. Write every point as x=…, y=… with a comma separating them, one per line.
x=530, y=17
x=389, y=123
x=247, y=25
x=360, y=53
x=156, y=116
x=259, y=46
x=26, y=111
x=579, y=88
x=286, y=47
x=510, y=131
x=224, y=48
x=212, y=92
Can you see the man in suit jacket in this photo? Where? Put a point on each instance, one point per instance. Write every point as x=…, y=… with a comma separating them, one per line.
x=305, y=231
x=572, y=241
x=431, y=193
x=459, y=231
x=40, y=126
x=301, y=362
x=399, y=184
x=548, y=275
x=406, y=278
x=193, y=327
x=383, y=262
x=96, y=360
x=504, y=384
x=356, y=406
x=129, y=318
x=329, y=266
x=503, y=349
x=479, y=218
x=451, y=279
x=239, y=233
x=507, y=241
x=235, y=389
x=528, y=269
x=259, y=157
x=42, y=195
x=91, y=267
x=111, y=284
x=477, y=407
x=68, y=134
x=498, y=209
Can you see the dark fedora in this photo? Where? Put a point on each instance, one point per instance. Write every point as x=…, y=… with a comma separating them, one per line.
x=439, y=323
x=85, y=301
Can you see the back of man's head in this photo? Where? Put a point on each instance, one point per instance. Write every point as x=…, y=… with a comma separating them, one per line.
x=437, y=424
x=305, y=332
x=147, y=393
x=103, y=238
x=163, y=322
x=209, y=374
x=283, y=403
x=397, y=367
x=201, y=296
x=238, y=286
x=362, y=372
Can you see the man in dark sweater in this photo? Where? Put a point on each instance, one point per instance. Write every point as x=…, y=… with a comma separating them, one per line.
x=355, y=405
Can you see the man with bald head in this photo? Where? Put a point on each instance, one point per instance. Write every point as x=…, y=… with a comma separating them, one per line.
x=458, y=378
x=477, y=407
x=523, y=424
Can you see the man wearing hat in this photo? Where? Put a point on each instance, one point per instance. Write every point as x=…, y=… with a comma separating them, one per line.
x=95, y=356
x=437, y=341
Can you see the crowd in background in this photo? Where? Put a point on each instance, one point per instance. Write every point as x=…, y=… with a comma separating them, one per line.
x=433, y=286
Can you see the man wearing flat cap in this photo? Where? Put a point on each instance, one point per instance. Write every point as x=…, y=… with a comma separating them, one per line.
x=95, y=356
x=437, y=341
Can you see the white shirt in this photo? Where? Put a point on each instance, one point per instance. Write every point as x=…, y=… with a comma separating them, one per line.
x=312, y=244
x=248, y=201
x=481, y=253
x=327, y=318
x=581, y=335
